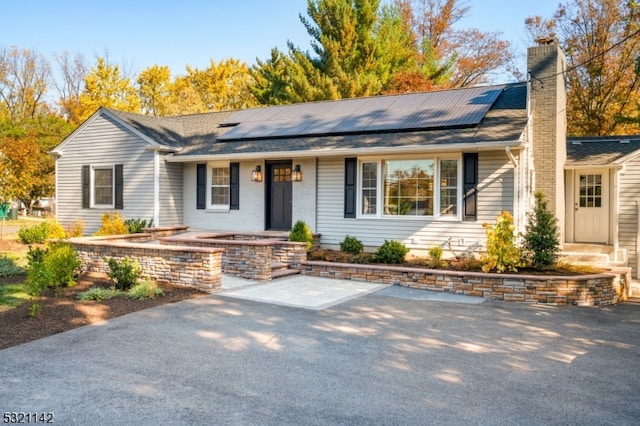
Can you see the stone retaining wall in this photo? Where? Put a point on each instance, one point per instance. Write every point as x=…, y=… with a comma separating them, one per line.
x=582, y=290
x=248, y=258
x=198, y=267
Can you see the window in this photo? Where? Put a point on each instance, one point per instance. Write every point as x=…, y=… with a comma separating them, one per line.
x=102, y=186
x=591, y=190
x=421, y=187
x=220, y=186
x=369, y=187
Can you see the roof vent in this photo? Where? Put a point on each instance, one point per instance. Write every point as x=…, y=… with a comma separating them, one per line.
x=624, y=141
x=576, y=142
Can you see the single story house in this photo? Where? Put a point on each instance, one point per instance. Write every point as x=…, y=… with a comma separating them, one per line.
x=421, y=168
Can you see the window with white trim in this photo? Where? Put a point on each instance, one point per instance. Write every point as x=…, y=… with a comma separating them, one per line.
x=103, y=186
x=410, y=187
x=220, y=187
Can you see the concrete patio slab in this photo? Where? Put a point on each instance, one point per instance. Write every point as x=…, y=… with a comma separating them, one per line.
x=299, y=291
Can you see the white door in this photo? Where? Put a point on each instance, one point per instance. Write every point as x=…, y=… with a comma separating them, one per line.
x=592, y=207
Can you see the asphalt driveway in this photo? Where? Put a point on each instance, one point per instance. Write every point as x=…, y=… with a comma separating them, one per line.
x=381, y=358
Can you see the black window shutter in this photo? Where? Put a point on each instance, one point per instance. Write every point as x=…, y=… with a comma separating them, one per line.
x=86, y=187
x=350, y=178
x=201, y=186
x=119, y=187
x=234, y=186
x=470, y=197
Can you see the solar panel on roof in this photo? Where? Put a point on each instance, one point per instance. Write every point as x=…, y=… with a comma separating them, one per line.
x=462, y=107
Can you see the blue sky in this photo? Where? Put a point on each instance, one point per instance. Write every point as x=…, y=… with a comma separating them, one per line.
x=141, y=33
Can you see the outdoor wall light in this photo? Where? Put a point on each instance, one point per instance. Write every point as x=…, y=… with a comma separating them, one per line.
x=256, y=174
x=296, y=174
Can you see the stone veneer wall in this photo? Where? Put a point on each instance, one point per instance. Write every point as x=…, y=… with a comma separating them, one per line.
x=249, y=258
x=198, y=267
x=583, y=290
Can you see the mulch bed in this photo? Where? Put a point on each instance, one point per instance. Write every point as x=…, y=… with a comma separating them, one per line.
x=65, y=311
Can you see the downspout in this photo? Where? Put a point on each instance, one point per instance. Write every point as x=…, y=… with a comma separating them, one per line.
x=517, y=208
x=156, y=188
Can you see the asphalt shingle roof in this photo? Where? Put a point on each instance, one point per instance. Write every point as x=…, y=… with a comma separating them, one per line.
x=600, y=151
x=504, y=119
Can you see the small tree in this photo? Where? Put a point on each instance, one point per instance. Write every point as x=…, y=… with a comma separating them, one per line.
x=542, y=238
x=301, y=233
x=502, y=253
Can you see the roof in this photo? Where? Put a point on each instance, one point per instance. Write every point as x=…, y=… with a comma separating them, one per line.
x=491, y=114
x=601, y=151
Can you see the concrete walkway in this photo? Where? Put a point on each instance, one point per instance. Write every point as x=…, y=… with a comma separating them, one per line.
x=302, y=291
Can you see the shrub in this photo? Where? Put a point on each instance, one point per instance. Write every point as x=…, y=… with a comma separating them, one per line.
x=391, y=252
x=97, y=293
x=502, y=253
x=145, y=289
x=74, y=229
x=34, y=234
x=62, y=264
x=301, y=233
x=55, y=231
x=542, y=238
x=136, y=226
x=38, y=278
x=112, y=224
x=435, y=256
x=351, y=245
x=124, y=274
x=8, y=266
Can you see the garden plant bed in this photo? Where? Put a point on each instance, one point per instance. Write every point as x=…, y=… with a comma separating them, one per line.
x=561, y=286
x=66, y=311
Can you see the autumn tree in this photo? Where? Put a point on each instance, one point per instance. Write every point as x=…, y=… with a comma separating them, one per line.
x=105, y=86
x=452, y=57
x=27, y=168
x=24, y=77
x=601, y=39
x=154, y=88
x=70, y=85
x=223, y=85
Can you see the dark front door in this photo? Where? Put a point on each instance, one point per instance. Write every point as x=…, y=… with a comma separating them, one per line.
x=279, y=195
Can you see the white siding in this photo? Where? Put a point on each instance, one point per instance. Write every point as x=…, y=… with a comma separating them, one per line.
x=250, y=216
x=104, y=142
x=495, y=194
x=627, y=214
x=170, y=193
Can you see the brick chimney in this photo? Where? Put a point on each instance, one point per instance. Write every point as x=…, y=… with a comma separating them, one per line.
x=546, y=64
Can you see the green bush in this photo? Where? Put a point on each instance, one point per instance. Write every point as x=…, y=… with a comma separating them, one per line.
x=301, y=233
x=145, y=289
x=124, y=274
x=136, y=226
x=34, y=234
x=351, y=245
x=99, y=294
x=435, y=256
x=502, y=253
x=112, y=224
x=62, y=263
x=542, y=238
x=8, y=266
x=391, y=252
x=38, y=278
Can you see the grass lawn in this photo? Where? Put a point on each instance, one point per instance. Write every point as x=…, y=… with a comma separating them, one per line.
x=12, y=295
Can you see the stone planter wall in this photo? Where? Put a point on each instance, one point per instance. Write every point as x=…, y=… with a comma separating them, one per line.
x=198, y=267
x=582, y=290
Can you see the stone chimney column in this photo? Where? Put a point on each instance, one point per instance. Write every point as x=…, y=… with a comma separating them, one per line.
x=546, y=65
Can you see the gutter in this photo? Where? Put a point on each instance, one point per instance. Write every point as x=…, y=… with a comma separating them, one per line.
x=326, y=152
